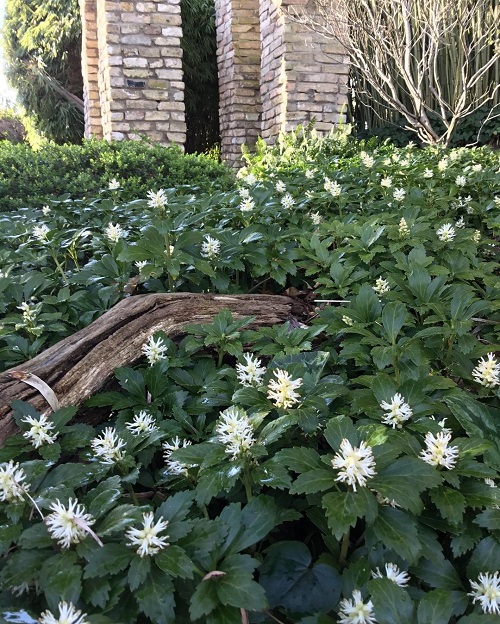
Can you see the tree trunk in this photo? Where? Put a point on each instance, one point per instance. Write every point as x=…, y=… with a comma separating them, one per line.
x=81, y=364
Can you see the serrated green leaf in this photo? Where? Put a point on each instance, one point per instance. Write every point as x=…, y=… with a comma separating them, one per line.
x=60, y=579
x=138, y=571
x=118, y=519
x=403, y=479
x=397, y=530
x=393, y=319
x=440, y=574
x=313, y=481
x=392, y=604
x=436, y=607
x=174, y=561
x=237, y=587
x=342, y=510
x=450, y=503
x=299, y=459
x=204, y=600
x=108, y=559
x=489, y=519
x=485, y=557
x=339, y=428
x=155, y=597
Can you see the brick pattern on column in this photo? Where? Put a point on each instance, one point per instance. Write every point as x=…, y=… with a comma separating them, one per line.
x=90, y=66
x=238, y=58
x=140, y=70
x=304, y=74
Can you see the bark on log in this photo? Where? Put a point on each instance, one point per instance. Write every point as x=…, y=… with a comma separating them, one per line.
x=78, y=366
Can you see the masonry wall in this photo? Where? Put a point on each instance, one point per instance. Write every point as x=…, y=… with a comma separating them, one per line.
x=238, y=57
x=304, y=75
x=134, y=48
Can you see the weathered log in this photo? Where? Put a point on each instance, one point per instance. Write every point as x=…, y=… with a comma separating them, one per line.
x=79, y=365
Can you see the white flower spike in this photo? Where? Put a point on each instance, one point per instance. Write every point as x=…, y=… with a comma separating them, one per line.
x=40, y=431
x=235, y=432
x=438, y=452
x=282, y=390
x=250, y=373
x=154, y=350
x=393, y=573
x=355, y=611
x=108, y=446
x=69, y=525
x=355, y=465
x=487, y=372
x=397, y=410
x=11, y=482
x=486, y=591
x=67, y=615
x=147, y=538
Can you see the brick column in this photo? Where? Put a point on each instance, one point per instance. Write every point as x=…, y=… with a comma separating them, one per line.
x=90, y=63
x=238, y=58
x=140, y=70
x=304, y=74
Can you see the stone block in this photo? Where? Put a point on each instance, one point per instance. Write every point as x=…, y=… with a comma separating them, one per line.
x=135, y=62
x=136, y=39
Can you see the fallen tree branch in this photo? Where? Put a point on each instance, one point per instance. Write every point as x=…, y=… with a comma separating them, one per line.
x=78, y=366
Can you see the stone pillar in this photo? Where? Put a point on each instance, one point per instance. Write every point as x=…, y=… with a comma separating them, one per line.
x=90, y=64
x=304, y=74
x=140, y=77
x=238, y=58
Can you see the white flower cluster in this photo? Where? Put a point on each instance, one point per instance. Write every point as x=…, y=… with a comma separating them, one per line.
x=147, y=538
x=11, y=482
x=316, y=218
x=235, y=431
x=386, y=182
x=282, y=390
x=39, y=432
x=333, y=188
x=157, y=200
x=175, y=467
x=154, y=350
x=487, y=592
x=355, y=611
x=113, y=185
x=398, y=412
x=67, y=615
x=108, y=447
x=280, y=186
x=446, y=233
x=393, y=573
x=247, y=204
x=252, y=372
x=355, y=464
x=404, y=230
x=287, y=201
x=487, y=372
x=438, y=452
x=367, y=160
x=210, y=247
x=41, y=232
x=68, y=525
x=381, y=286
x=399, y=194
x=114, y=232
x=142, y=423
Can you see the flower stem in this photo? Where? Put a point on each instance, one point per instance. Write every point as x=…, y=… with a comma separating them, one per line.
x=344, y=547
x=247, y=482
x=58, y=265
x=132, y=494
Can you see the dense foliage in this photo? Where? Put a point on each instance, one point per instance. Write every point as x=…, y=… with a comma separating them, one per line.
x=342, y=470
x=42, y=44
x=199, y=64
x=28, y=177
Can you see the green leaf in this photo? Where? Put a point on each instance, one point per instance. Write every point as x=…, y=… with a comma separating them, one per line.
x=237, y=587
x=60, y=579
x=397, y=530
x=479, y=618
x=404, y=479
x=292, y=582
x=489, y=519
x=224, y=615
x=450, y=503
x=176, y=507
x=96, y=591
x=155, y=598
x=393, y=319
x=174, y=561
x=342, y=510
x=23, y=565
x=339, y=428
x=438, y=573
x=299, y=459
x=138, y=571
x=132, y=381
x=313, y=481
x=118, y=519
x=476, y=418
x=102, y=498
x=392, y=604
x=204, y=600
x=108, y=559
x=258, y=518
x=436, y=607
x=485, y=557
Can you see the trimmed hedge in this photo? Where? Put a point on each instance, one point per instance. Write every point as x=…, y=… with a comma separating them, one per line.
x=29, y=178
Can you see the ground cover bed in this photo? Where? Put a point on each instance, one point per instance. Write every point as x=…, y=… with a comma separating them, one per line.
x=340, y=466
